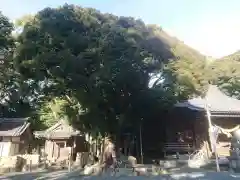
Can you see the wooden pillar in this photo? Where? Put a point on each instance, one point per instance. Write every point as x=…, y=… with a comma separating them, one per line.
x=194, y=134
x=52, y=149
x=137, y=148
x=199, y=130
x=125, y=146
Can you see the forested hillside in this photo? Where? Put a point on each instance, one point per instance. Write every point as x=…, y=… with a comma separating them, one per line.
x=235, y=56
x=226, y=73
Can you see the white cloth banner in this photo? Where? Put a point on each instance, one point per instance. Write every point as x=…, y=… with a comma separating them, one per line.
x=214, y=135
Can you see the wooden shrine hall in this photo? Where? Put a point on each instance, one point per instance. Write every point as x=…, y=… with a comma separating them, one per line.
x=188, y=121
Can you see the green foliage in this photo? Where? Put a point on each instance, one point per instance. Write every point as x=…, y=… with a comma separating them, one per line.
x=21, y=22
x=232, y=57
x=6, y=28
x=185, y=75
x=100, y=65
x=98, y=60
x=50, y=112
x=226, y=74
x=188, y=77
x=12, y=102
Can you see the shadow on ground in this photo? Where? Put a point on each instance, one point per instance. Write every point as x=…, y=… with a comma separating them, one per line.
x=63, y=175
x=205, y=176
x=212, y=167
x=56, y=175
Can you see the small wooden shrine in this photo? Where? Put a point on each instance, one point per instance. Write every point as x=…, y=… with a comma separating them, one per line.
x=62, y=140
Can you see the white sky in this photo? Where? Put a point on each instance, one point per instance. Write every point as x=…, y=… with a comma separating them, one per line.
x=210, y=26
x=216, y=38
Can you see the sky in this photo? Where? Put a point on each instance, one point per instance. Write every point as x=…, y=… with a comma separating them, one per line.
x=210, y=26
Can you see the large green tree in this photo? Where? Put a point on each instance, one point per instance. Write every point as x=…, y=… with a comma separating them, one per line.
x=99, y=62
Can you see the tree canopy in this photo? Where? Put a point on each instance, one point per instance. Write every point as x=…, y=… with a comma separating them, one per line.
x=97, y=62
x=12, y=102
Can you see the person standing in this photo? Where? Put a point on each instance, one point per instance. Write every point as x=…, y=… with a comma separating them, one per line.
x=109, y=157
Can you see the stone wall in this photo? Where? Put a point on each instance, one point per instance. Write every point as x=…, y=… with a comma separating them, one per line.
x=18, y=162
x=32, y=159
x=11, y=164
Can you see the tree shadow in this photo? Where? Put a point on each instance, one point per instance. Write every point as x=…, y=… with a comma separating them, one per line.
x=27, y=175
x=43, y=175
x=212, y=167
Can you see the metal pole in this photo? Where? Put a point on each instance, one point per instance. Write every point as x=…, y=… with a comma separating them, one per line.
x=210, y=131
x=69, y=159
x=140, y=135
x=30, y=165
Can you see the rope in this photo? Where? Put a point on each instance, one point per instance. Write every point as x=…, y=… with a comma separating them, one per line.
x=228, y=131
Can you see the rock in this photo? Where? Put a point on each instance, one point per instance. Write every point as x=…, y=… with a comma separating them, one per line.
x=141, y=171
x=95, y=169
x=170, y=164
x=132, y=161
x=88, y=169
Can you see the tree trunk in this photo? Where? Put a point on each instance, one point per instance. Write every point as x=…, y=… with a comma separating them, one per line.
x=118, y=142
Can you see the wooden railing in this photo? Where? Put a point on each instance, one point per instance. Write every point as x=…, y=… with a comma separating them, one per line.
x=178, y=147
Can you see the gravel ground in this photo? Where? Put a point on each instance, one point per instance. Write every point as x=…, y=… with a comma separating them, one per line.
x=75, y=175
x=42, y=175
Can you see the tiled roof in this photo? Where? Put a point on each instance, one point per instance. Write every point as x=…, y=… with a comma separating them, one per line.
x=59, y=130
x=13, y=126
x=216, y=100
x=57, y=135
